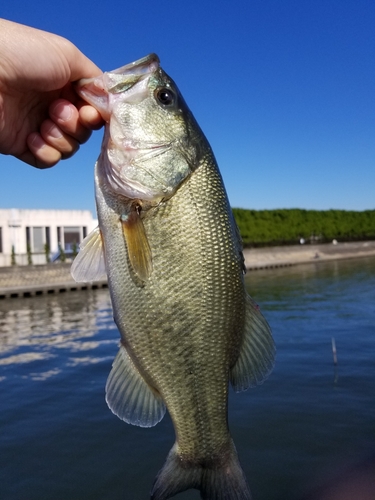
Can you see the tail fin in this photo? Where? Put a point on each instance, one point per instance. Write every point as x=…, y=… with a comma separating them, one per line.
x=220, y=480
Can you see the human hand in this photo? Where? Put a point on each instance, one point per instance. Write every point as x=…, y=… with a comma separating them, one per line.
x=42, y=119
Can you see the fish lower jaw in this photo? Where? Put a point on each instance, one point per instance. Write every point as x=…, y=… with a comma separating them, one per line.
x=119, y=184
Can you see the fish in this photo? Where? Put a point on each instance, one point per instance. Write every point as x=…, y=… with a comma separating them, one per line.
x=172, y=253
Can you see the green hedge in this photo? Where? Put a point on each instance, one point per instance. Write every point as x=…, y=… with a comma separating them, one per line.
x=288, y=226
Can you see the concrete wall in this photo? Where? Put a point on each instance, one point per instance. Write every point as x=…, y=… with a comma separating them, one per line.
x=20, y=228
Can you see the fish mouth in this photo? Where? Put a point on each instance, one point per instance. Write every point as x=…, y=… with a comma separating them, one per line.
x=118, y=80
x=140, y=66
x=122, y=79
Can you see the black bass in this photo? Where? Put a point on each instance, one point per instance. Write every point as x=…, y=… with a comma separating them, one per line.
x=169, y=244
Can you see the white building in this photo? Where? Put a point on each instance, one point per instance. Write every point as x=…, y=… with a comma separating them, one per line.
x=31, y=233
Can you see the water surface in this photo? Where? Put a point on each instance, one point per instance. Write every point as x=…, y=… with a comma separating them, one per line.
x=307, y=423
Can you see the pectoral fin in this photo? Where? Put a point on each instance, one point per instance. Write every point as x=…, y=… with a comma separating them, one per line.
x=257, y=353
x=89, y=264
x=129, y=396
x=139, y=250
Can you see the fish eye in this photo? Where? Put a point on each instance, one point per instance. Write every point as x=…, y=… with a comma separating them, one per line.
x=166, y=96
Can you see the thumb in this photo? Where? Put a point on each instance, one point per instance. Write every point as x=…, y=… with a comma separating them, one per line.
x=80, y=65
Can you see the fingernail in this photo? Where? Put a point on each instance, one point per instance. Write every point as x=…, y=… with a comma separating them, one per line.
x=61, y=111
x=54, y=132
x=36, y=141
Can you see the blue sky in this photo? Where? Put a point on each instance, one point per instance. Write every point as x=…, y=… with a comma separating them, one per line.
x=283, y=89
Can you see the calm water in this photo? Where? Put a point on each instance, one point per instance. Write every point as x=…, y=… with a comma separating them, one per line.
x=307, y=423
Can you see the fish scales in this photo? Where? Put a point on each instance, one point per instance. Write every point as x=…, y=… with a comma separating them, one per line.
x=200, y=279
x=187, y=325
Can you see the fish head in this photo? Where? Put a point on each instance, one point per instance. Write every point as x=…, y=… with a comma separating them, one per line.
x=152, y=143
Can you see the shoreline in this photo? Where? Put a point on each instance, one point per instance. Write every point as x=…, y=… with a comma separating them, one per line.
x=34, y=280
x=291, y=255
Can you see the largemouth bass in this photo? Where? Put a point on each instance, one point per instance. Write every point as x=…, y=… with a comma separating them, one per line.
x=169, y=244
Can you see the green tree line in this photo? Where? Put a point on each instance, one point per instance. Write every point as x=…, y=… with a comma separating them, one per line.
x=288, y=226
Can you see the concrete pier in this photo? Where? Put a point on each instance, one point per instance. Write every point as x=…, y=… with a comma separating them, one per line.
x=28, y=281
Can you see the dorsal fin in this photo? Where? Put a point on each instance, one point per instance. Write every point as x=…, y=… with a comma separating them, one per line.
x=256, y=358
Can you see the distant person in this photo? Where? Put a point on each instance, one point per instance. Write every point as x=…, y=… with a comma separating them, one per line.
x=42, y=119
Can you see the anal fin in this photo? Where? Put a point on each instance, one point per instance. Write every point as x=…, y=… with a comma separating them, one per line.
x=129, y=396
